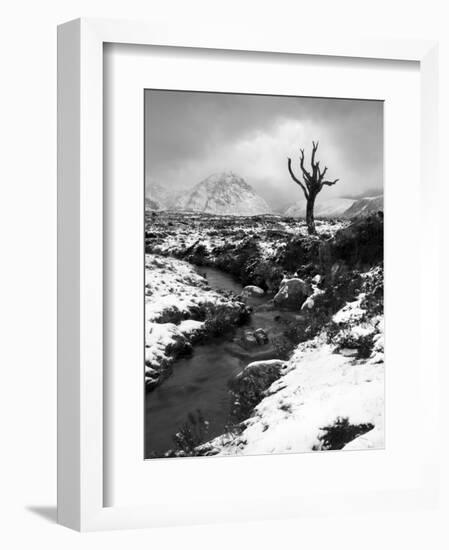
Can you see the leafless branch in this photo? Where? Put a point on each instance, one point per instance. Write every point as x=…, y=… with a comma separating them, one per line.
x=314, y=149
x=307, y=175
x=329, y=182
x=295, y=179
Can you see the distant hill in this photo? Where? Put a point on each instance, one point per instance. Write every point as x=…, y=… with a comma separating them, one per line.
x=151, y=204
x=338, y=207
x=157, y=196
x=365, y=206
x=327, y=208
x=224, y=193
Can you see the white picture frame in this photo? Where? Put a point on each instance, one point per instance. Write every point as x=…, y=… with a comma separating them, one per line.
x=81, y=408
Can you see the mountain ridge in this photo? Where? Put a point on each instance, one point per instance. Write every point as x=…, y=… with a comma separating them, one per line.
x=226, y=193
x=338, y=207
x=223, y=193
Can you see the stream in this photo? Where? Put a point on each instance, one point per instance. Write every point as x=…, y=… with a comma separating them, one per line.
x=200, y=381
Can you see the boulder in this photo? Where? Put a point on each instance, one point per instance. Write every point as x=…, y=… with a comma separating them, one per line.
x=250, y=385
x=261, y=369
x=261, y=336
x=292, y=293
x=249, y=339
x=252, y=291
x=310, y=302
x=348, y=352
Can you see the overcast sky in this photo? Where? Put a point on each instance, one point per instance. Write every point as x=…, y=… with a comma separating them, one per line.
x=191, y=135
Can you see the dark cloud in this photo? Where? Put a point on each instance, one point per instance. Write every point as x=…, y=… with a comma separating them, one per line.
x=190, y=135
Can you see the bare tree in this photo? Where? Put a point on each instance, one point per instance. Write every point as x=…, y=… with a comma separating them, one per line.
x=312, y=184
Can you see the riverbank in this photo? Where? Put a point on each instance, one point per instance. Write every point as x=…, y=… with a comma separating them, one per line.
x=256, y=250
x=200, y=379
x=328, y=396
x=273, y=372
x=181, y=309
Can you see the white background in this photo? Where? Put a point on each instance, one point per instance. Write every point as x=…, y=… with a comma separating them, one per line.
x=132, y=481
x=28, y=274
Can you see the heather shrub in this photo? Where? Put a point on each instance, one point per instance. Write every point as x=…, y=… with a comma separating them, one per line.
x=199, y=255
x=249, y=387
x=361, y=243
x=267, y=275
x=337, y=435
x=298, y=252
x=348, y=339
x=192, y=433
x=223, y=320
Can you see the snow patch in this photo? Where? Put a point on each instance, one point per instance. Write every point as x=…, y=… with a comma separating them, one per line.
x=317, y=389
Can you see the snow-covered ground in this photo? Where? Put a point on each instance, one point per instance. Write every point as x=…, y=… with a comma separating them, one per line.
x=175, y=292
x=323, y=386
x=174, y=286
x=330, y=392
x=175, y=296
x=172, y=233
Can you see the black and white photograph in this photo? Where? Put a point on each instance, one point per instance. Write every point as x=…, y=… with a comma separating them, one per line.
x=264, y=294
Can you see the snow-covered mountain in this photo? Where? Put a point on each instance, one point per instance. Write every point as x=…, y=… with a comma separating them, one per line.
x=327, y=208
x=157, y=196
x=364, y=206
x=338, y=207
x=224, y=193
x=151, y=204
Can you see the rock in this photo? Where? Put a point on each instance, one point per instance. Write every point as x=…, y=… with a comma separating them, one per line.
x=262, y=368
x=261, y=336
x=249, y=386
x=292, y=293
x=249, y=339
x=310, y=302
x=348, y=352
x=256, y=338
x=251, y=291
x=338, y=269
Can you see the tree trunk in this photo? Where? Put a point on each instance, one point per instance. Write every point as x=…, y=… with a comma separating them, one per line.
x=309, y=215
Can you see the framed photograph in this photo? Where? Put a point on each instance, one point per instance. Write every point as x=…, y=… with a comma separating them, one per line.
x=246, y=226
x=263, y=325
